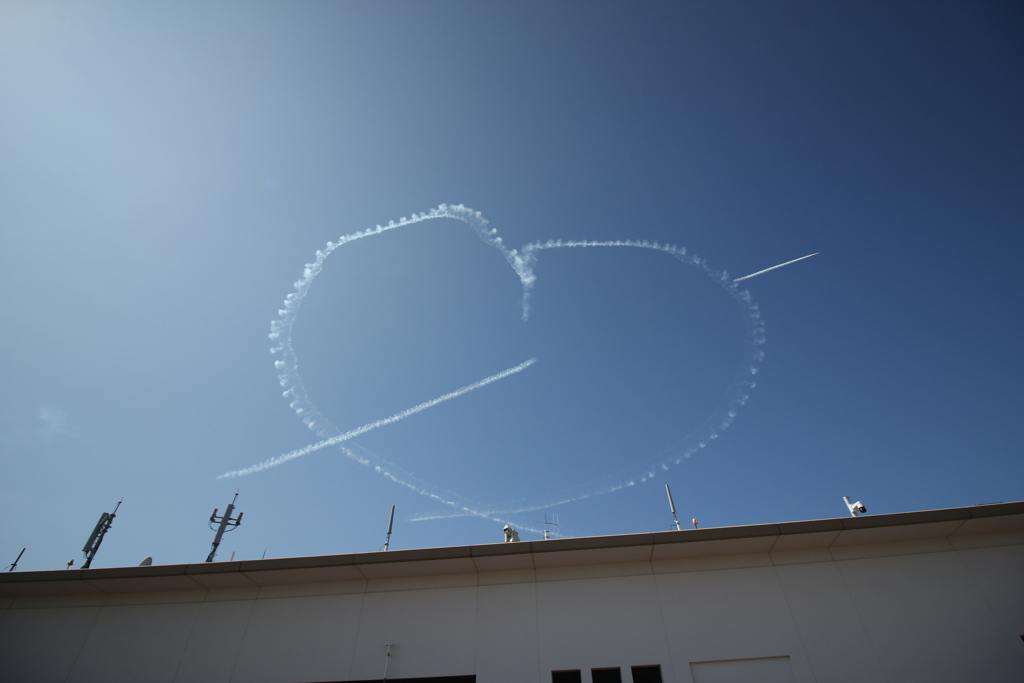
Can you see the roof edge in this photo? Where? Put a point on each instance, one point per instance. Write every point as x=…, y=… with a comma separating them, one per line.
x=14, y=583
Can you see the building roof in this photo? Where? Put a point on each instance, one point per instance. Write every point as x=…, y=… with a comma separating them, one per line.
x=693, y=549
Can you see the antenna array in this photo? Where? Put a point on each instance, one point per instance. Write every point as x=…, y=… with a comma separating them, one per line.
x=102, y=527
x=553, y=523
x=225, y=522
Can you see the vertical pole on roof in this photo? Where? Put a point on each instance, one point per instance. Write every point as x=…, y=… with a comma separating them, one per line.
x=391, y=522
x=672, y=507
x=102, y=527
x=225, y=522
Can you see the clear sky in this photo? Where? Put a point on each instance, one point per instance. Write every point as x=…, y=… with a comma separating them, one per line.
x=168, y=170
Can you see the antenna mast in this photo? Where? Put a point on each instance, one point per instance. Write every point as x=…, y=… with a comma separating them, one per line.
x=387, y=541
x=225, y=521
x=102, y=527
x=15, y=565
x=672, y=506
x=553, y=523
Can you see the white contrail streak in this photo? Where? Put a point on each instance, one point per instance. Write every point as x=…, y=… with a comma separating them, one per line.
x=351, y=434
x=762, y=272
x=522, y=261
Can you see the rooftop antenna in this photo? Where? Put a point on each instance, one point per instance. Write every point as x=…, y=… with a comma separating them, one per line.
x=672, y=507
x=225, y=521
x=15, y=565
x=391, y=522
x=854, y=508
x=102, y=527
x=553, y=523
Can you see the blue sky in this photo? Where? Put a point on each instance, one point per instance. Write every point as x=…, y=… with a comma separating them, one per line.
x=167, y=170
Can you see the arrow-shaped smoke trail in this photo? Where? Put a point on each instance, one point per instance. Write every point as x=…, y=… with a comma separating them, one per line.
x=762, y=272
x=351, y=434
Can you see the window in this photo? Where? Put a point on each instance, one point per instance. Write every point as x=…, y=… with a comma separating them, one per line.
x=647, y=674
x=650, y=673
x=433, y=679
x=606, y=675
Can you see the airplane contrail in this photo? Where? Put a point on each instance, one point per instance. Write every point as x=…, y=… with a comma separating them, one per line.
x=351, y=434
x=522, y=260
x=762, y=272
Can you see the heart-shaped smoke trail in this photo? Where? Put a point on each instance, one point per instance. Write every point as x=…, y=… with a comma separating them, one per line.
x=522, y=262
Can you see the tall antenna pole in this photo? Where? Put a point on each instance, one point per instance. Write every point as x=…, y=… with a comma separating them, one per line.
x=391, y=523
x=15, y=565
x=225, y=522
x=102, y=527
x=672, y=506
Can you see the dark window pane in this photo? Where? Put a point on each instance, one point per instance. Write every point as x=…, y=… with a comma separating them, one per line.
x=647, y=674
x=434, y=679
x=566, y=676
x=606, y=675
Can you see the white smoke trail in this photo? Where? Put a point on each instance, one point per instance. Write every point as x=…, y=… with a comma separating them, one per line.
x=720, y=419
x=766, y=270
x=522, y=262
x=351, y=434
x=457, y=505
x=281, y=329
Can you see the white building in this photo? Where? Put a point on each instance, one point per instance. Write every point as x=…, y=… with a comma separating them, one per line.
x=922, y=596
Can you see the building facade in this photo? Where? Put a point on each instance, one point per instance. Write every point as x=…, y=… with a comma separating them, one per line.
x=924, y=596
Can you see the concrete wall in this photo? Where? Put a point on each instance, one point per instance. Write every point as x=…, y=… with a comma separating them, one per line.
x=936, y=607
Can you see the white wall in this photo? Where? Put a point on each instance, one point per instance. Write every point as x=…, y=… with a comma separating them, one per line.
x=882, y=613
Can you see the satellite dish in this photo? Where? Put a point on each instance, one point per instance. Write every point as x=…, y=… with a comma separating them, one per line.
x=148, y=562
